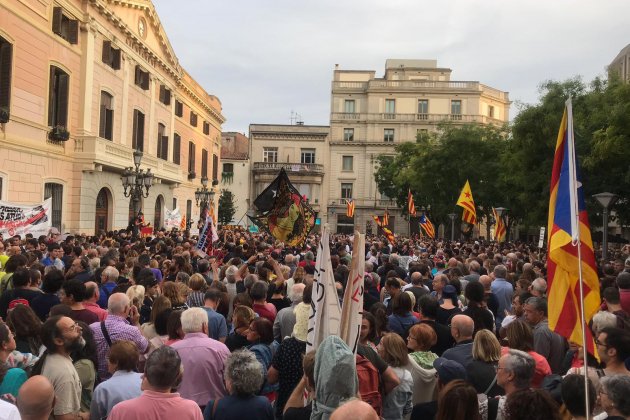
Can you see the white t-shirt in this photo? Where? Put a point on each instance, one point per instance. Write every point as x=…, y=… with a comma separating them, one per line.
x=8, y=411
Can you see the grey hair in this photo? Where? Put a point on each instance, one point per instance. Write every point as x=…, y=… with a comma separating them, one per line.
x=369, y=267
x=193, y=320
x=183, y=277
x=163, y=368
x=394, y=258
x=540, y=285
x=230, y=273
x=117, y=303
x=249, y=280
x=111, y=273
x=539, y=304
x=95, y=263
x=500, y=271
x=244, y=372
x=618, y=389
x=474, y=266
x=603, y=319
x=309, y=256
x=522, y=365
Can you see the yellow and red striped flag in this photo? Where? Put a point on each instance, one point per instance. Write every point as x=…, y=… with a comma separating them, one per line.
x=467, y=202
x=427, y=226
x=568, y=230
x=388, y=233
x=182, y=224
x=499, y=227
x=350, y=208
x=212, y=214
x=410, y=204
x=386, y=218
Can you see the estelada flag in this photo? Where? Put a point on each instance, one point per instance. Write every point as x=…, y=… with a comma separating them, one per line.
x=427, y=226
x=568, y=230
x=411, y=206
x=283, y=212
x=467, y=202
x=350, y=208
x=386, y=218
x=499, y=227
x=388, y=233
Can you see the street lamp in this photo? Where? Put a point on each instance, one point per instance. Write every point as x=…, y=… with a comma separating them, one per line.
x=204, y=196
x=606, y=200
x=452, y=217
x=136, y=182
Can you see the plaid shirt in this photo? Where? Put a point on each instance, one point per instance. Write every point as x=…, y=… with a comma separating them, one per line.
x=118, y=329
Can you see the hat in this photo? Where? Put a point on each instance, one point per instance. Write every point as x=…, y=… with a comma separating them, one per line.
x=449, y=370
x=449, y=290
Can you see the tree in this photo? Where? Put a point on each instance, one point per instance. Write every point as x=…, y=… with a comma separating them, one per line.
x=226, y=207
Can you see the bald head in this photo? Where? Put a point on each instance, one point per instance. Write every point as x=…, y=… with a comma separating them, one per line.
x=462, y=327
x=416, y=277
x=36, y=398
x=355, y=409
x=117, y=304
x=91, y=291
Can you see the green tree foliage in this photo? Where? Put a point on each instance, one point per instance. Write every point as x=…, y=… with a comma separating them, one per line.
x=511, y=166
x=226, y=207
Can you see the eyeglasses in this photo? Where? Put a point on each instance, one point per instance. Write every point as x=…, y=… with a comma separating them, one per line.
x=599, y=343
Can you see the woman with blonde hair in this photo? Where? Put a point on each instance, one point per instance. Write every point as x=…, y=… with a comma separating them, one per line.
x=136, y=295
x=420, y=340
x=482, y=371
x=160, y=304
x=398, y=403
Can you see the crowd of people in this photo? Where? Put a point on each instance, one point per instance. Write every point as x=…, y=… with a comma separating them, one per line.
x=121, y=327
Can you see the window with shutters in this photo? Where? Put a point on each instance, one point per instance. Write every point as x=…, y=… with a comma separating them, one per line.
x=111, y=55
x=215, y=167
x=346, y=190
x=162, y=151
x=206, y=127
x=388, y=135
x=174, y=203
x=165, y=95
x=106, y=126
x=347, y=163
x=58, y=98
x=177, y=148
x=188, y=213
x=64, y=26
x=193, y=119
x=348, y=134
x=191, y=157
x=204, y=163
x=54, y=191
x=270, y=154
x=141, y=78
x=348, y=106
x=307, y=156
x=6, y=57
x=137, y=141
x=179, y=109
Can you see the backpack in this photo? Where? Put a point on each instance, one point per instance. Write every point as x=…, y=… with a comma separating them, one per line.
x=369, y=381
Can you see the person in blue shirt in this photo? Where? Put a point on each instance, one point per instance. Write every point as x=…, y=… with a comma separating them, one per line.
x=401, y=319
x=217, y=327
x=503, y=291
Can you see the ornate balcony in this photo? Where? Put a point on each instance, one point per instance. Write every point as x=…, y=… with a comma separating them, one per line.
x=420, y=118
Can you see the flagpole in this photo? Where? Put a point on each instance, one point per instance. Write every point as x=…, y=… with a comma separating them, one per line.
x=578, y=242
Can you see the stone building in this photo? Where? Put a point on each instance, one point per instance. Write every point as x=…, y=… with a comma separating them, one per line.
x=82, y=85
x=235, y=173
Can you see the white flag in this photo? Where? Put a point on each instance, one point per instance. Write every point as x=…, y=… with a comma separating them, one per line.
x=352, y=312
x=325, y=315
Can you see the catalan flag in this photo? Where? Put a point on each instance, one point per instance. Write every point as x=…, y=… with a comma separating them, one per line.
x=386, y=218
x=427, y=226
x=410, y=204
x=210, y=213
x=388, y=233
x=350, y=208
x=182, y=225
x=499, y=227
x=568, y=230
x=467, y=202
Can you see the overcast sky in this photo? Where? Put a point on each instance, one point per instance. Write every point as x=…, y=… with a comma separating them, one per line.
x=266, y=58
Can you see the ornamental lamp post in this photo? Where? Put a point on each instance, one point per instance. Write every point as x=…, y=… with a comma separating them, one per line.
x=202, y=196
x=452, y=217
x=606, y=200
x=136, y=182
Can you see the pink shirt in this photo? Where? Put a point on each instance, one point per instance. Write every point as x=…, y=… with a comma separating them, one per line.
x=203, y=359
x=156, y=405
x=95, y=309
x=624, y=299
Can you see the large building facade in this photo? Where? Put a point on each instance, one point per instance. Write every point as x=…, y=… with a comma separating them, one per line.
x=83, y=84
x=235, y=174
x=370, y=115
x=302, y=150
